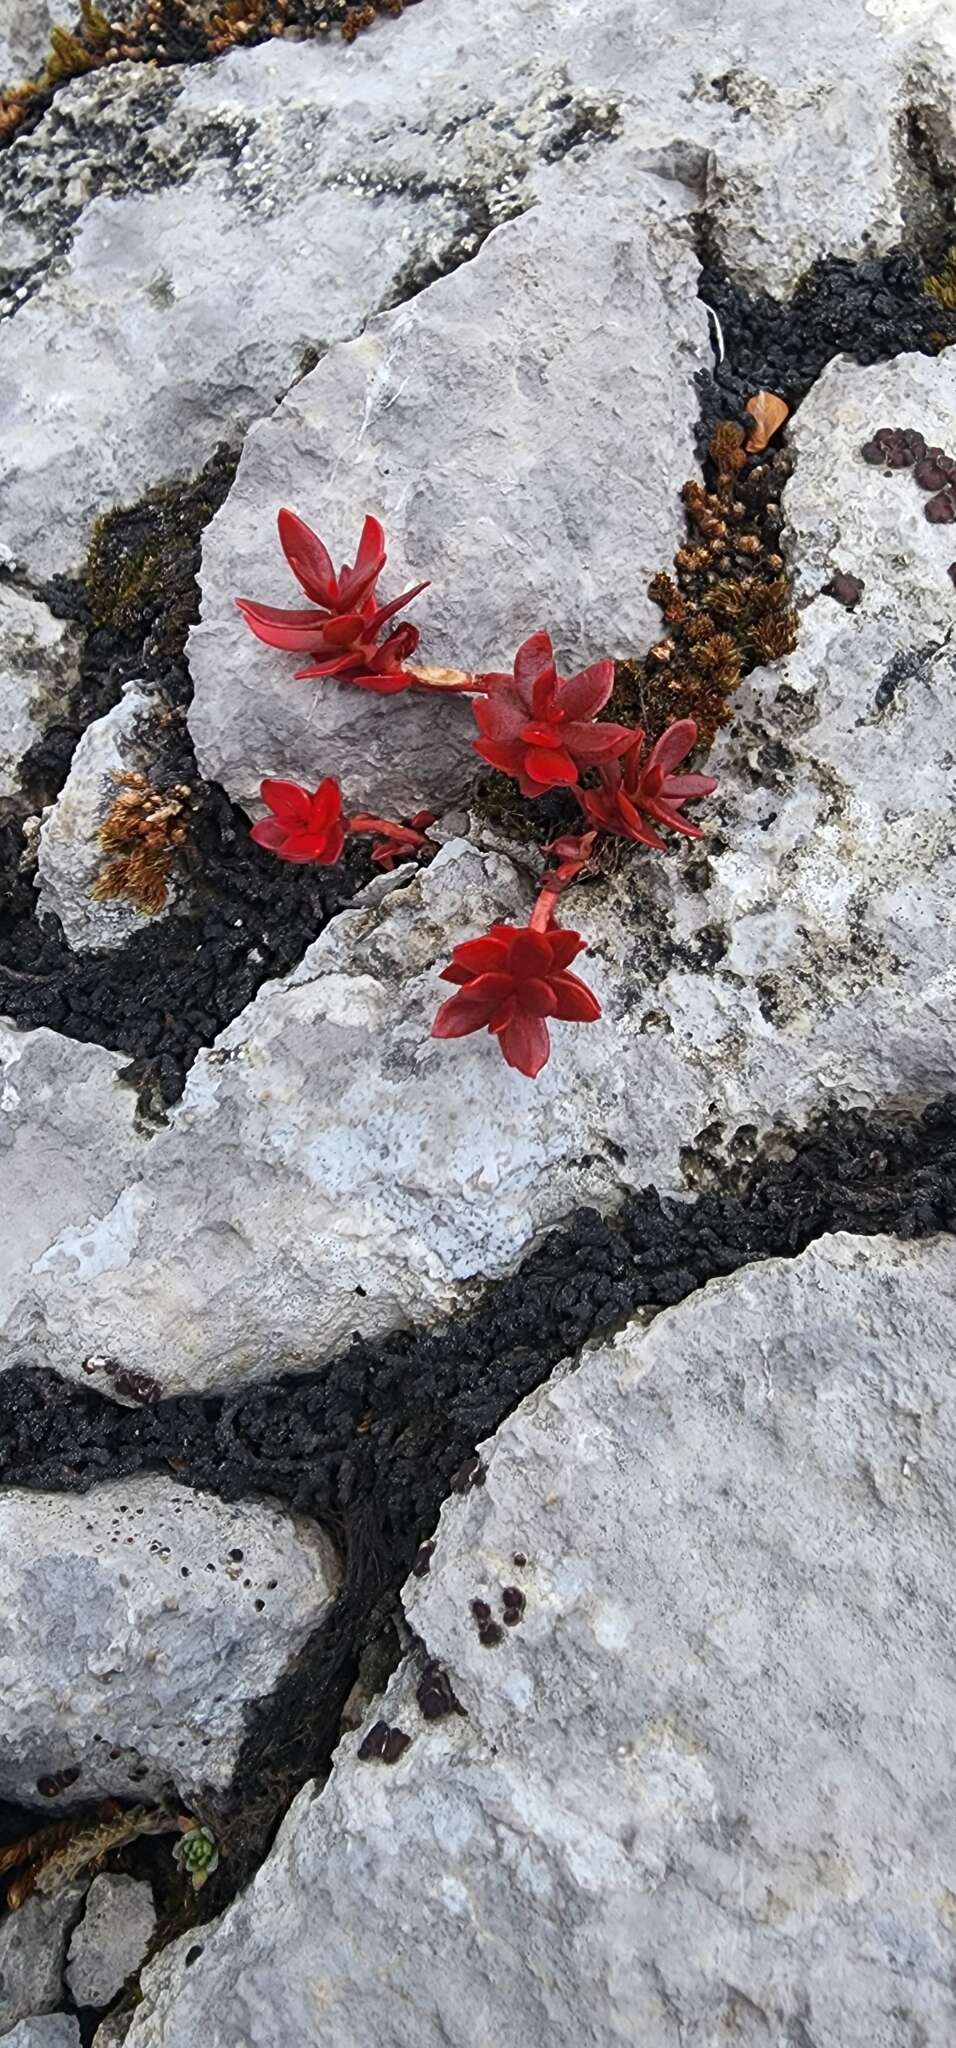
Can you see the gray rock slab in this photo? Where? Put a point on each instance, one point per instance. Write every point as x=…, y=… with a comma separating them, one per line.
x=70, y=857
x=118, y=1924
x=702, y=1788
x=539, y=494
x=137, y=1624
x=38, y=666
x=53, y=2030
x=178, y=244
x=68, y=1144
x=33, y=1944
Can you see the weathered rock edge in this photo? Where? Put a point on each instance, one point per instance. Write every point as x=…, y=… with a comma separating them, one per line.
x=703, y=1781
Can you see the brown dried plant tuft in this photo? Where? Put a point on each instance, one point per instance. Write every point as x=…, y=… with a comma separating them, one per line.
x=141, y=833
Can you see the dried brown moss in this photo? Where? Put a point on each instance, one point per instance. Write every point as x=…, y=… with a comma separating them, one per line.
x=141, y=833
x=175, y=32
x=727, y=605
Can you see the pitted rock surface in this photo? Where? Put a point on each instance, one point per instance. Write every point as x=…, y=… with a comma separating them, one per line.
x=702, y=1778
x=136, y=1627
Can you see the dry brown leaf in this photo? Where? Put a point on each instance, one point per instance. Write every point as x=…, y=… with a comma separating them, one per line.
x=441, y=678
x=768, y=412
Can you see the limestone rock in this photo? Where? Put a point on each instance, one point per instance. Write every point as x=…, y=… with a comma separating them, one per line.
x=137, y=1624
x=24, y=36
x=70, y=855
x=470, y=422
x=118, y=1924
x=701, y=1786
x=874, y=523
x=176, y=245
x=37, y=668
x=68, y=1144
x=32, y=1953
x=53, y=2030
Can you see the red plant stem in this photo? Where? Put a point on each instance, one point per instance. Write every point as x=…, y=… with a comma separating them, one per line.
x=363, y=821
x=543, y=911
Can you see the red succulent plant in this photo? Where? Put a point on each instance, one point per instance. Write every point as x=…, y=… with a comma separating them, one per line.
x=309, y=826
x=302, y=827
x=539, y=726
x=342, y=630
x=631, y=786
x=509, y=982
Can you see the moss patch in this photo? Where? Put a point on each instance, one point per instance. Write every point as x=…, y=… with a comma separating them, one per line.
x=727, y=606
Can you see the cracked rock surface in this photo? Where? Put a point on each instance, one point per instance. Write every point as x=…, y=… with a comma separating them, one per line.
x=137, y=1625
x=539, y=495
x=176, y=245
x=330, y=1168
x=700, y=1781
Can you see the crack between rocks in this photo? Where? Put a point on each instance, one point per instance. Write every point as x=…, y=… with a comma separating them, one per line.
x=371, y=1443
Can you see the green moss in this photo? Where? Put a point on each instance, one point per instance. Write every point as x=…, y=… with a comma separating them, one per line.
x=535, y=822
x=942, y=286
x=140, y=571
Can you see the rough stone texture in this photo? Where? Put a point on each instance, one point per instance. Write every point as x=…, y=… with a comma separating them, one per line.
x=877, y=526
x=54, y=2030
x=540, y=495
x=37, y=668
x=32, y=1953
x=177, y=244
x=136, y=1625
x=68, y=1144
x=24, y=36
x=70, y=855
x=701, y=1787
x=118, y=1924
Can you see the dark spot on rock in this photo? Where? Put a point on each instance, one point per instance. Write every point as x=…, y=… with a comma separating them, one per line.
x=846, y=588
x=469, y=1474
x=489, y=1635
x=519, y=1559
x=513, y=1602
x=481, y=1610
x=422, y=1564
x=941, y=510
x=434, y=1693
x=383, y=1744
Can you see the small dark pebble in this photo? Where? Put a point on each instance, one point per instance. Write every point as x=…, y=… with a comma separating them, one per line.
x=422, y=1564
x=434, y=1693
x=383, y=1744
x=519, y=1559
x=845, y=588
x=481, y=1610
x=489, y=1635
x=941, y=510
x=872, y=451
x=514, y=1605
